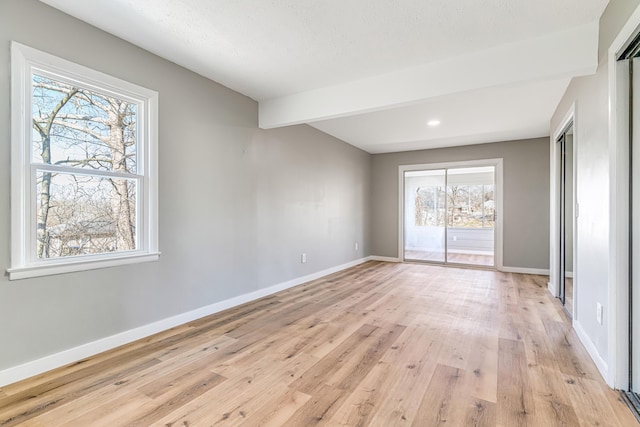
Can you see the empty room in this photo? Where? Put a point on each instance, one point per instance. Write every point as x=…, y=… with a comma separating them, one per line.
x=333, y=213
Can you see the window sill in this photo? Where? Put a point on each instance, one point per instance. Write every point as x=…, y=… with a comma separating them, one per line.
x=79, y=265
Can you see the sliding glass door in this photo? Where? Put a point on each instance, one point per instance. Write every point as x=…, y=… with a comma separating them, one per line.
x=425, y=215
x=450, y=215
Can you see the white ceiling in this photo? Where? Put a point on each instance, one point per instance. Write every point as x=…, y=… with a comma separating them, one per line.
x=373, y=72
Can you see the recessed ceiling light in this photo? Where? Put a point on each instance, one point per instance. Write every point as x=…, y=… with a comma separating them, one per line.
x=433, y=123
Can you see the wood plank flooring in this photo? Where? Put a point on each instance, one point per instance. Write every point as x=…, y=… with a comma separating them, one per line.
x=380, y=344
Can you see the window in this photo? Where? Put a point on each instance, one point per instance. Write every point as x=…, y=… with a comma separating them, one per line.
x=471, y=206
x=84, y=168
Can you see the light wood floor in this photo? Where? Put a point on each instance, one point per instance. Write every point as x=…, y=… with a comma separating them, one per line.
x=380, y=344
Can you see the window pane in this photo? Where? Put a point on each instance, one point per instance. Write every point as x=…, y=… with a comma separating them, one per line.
x=489, y=206
x=81, y=215
x=81, y=128
x=424, y=215
x=429, y=206
x=465, y=206
x=458, y=205
x=470, y=237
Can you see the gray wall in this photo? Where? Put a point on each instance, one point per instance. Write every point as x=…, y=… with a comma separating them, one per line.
x=237, y=204
x=526, y=196
x=591, y=97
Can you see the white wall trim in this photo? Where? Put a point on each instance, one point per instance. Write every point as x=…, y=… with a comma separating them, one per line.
x=521, y=270
x=56, y=360
x=617, y=313
x=591, y=349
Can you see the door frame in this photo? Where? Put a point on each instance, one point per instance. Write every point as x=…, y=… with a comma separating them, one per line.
x=554, y=202
x=496, y=162
x=617, y=372
x=555, y=208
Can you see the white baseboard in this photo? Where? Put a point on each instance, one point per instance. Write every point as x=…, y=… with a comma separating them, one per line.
x=56, y=360
x=383, y=258
x=538, y=271
x=602, y=366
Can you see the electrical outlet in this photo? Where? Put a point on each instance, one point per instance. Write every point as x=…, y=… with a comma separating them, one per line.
x=599, y=313
x=356, y=246
x=303, y=258
x=455, y=238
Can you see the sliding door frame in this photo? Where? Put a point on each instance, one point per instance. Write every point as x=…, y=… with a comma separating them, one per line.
x=497, y=163
x=558, y=221
x=556, y=182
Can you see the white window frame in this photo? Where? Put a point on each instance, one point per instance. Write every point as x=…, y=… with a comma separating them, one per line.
x=24, y=62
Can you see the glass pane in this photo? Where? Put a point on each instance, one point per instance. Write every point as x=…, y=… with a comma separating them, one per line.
x=489, y=207
x=81, y=128
x=424, y=221
x=81, y=215
x=471, y=216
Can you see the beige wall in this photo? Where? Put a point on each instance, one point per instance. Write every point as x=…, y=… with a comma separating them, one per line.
x=237, y=204
x=526, y=196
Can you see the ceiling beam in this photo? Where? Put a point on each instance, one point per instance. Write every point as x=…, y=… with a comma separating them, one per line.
x=565, y=54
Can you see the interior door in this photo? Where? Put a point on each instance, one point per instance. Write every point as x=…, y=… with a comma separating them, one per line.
x=634, y=253
x=562, y=221
x=566, y=218
x=569, y=220
x=629, y=94
x=628, y=103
